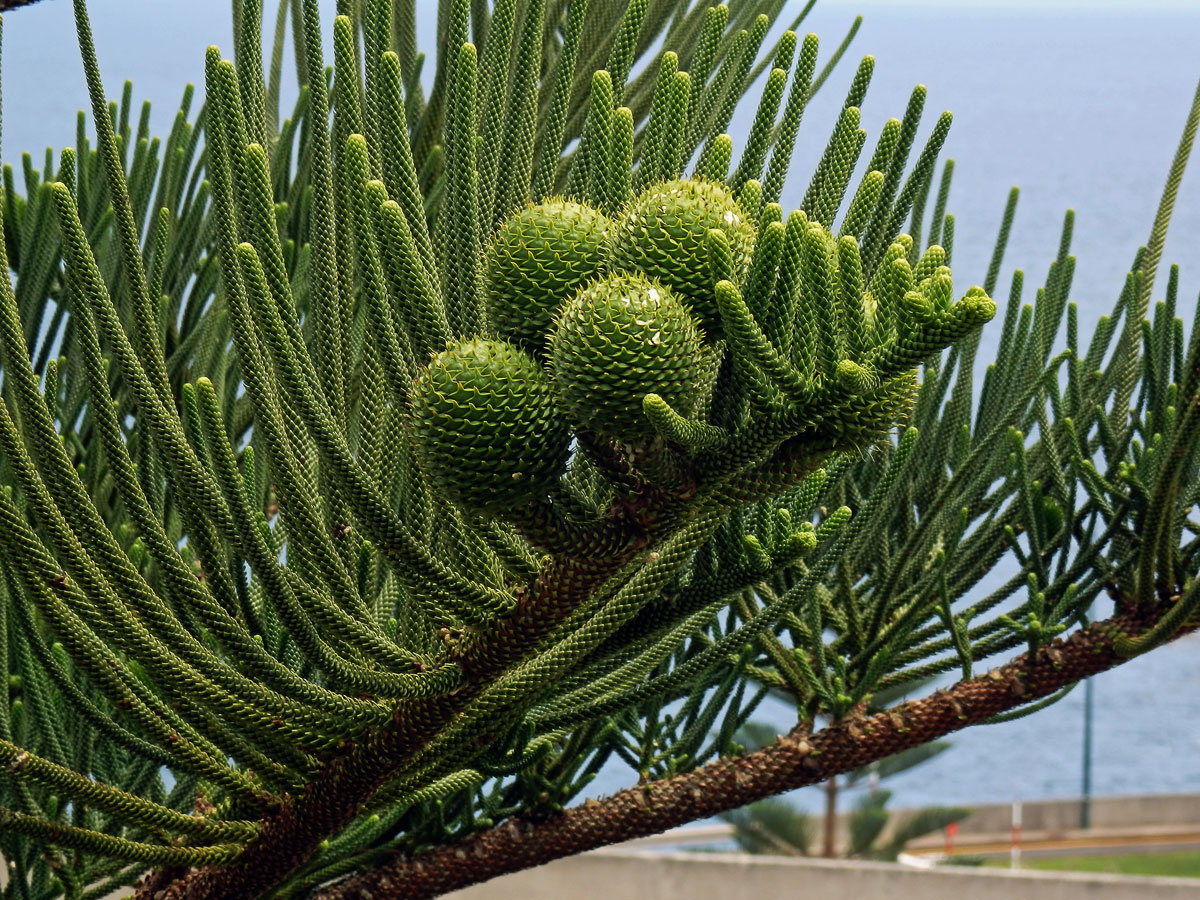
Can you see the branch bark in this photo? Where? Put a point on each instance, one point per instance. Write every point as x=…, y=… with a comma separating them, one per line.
x=793, y=761
x=331, y=801
x=290, y=835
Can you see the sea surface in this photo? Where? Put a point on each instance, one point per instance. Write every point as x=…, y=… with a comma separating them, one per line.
x=1080, y=104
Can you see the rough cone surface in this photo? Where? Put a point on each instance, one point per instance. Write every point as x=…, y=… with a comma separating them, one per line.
x=618, y=340
x=536, y=260
x=663, y=236
x=486, y=425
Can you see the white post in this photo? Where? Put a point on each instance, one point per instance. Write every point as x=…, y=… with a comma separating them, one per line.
x=1015, y=851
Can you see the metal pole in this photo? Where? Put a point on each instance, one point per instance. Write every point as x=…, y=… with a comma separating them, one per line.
x=1085, y=804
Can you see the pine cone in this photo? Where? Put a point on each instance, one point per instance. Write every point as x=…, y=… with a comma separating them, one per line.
x=536, y=260
x=486, y=425
x=618, y=340
x=664, y=233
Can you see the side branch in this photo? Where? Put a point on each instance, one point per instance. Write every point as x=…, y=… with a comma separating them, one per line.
x=793, y=761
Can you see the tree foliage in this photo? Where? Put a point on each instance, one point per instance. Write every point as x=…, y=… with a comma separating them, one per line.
x=375, y=474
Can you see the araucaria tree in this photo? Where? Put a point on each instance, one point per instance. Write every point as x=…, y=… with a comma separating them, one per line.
x=374, y=476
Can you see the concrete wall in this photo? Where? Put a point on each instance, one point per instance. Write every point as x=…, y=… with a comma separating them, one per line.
x=1157, y=810
x=626, y=875
x=614, y=875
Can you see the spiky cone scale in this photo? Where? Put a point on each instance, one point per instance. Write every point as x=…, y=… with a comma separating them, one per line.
x=487, y=427
x=536, y=260
x=619, y=339
x=663, y=236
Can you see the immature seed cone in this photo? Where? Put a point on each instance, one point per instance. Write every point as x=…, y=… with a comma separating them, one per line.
x=663, y=236
x=536, y=260
x=618, y=340
x=486, y=425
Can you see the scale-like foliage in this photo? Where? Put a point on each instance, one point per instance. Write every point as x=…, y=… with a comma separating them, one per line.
x=377, y=473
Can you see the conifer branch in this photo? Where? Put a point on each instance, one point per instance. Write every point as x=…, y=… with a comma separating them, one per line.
x=801, y=757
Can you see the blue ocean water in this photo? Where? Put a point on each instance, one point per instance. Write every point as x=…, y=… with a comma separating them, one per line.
x=1080, y=104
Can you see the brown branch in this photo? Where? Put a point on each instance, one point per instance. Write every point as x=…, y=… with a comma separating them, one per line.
x=344, y=785
x=338, y=793
x=6, y=5
x=792, y=761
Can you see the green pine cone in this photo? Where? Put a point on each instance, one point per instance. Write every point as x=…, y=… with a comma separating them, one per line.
x=486, y=425
x=663, y=236
x=536, y=260
x=616, y=341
